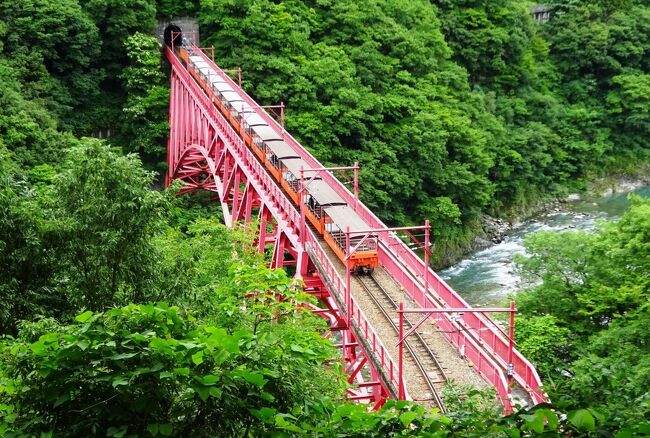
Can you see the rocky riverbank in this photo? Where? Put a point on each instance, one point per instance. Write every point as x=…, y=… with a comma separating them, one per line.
x=494, y=230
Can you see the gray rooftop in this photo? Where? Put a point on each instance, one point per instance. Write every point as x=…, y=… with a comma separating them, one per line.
x=232, y=96
x=294, y=166
x=254, y=119
x=281, y=149
x=243, y=107
x=344, y=216
x=222, y=86
x=265, y=132
x=323, y=193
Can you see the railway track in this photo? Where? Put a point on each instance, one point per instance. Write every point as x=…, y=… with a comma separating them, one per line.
x=425, y=360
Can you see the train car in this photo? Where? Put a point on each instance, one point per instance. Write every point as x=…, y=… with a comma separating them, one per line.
x=262, y=134
x=239, y=112
x=343, y=218
x=248, y=122
x=274, y=151
x=291, y=177
x=320, y=195
x=230, y=100
x=326, y=210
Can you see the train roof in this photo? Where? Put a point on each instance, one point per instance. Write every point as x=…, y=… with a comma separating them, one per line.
x=294, y=166
x=265, y=132
x=281, y=149
x=243, y=107
x=231, y=96
x=205, y=70
x=324, y=194
x=254, y=119
x=198, y=61
x=344, y=216
x=217, y=79
x=222, y=86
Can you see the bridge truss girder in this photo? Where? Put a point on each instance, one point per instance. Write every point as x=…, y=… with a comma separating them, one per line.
x=206, y=153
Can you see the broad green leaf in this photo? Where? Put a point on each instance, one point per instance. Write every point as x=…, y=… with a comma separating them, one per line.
x=407, y=417
x=117, y=432
x=153, y=429
x=582, y=420
x=119, y=381
x=284, y=424
x=62, y=399
x=251, y=377
x=82, y=344
x=265, y=414
x=84, y=316
x=513, y=433
x=207, y=380
x=550, y=418
x=182, y=371
x=534, y=422
x=122, y=356
x=203, y=391
x=166, y=429
x=197, y=357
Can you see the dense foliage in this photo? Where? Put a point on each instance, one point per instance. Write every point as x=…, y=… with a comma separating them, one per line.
x=459, y=107
x=586, y=324
x=128, y=311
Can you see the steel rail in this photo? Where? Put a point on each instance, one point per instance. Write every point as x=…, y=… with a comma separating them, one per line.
x=416, y=358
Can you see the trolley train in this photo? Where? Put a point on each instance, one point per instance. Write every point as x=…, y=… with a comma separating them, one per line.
x=327, y=211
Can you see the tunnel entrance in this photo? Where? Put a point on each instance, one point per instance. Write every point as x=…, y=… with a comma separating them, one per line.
x=173, y=34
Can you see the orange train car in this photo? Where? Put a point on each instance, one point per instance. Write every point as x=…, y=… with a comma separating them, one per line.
x=275, y=151
x=290, y=182
x=321, y=196
x=326, y=210
x=343, y=218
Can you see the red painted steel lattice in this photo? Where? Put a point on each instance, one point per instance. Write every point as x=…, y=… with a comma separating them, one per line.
x=206, y=153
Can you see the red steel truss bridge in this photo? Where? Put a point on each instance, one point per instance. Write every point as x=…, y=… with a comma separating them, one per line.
x=207, y=151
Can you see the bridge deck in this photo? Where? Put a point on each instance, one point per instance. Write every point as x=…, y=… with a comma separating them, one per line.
x=456, y=367
x=203, y=142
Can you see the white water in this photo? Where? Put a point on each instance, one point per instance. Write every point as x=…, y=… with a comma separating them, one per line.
x=488, y=276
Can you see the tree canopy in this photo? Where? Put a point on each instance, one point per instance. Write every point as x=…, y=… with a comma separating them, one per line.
x=129, y=311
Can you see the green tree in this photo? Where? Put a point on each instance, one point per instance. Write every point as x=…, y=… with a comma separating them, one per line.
x=144, y=127
x=161, y=373
x=52, y=45
x=26, y=262
x=586, y=323
x=103, y=217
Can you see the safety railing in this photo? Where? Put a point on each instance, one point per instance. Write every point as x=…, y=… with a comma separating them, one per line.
x=268, y=189
x=493, y=342
x=365, y=332
x=281, y=206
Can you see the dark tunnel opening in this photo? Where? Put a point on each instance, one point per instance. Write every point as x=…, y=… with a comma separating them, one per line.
x=173, y=34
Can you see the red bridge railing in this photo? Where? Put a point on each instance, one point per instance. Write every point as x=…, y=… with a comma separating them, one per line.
x=476, y=336
x=277, y=202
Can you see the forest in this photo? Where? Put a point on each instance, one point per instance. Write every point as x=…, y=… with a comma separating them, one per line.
x=126, y=310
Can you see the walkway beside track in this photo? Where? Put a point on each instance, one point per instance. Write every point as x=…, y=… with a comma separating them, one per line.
x=456, y=368
x=401, y=273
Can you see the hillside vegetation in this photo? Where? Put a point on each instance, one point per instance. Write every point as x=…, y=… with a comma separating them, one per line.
x=128, y=311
